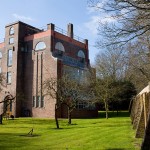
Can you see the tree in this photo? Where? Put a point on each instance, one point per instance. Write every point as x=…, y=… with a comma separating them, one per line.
x=111, y=62
x=138, y=62
x=125, y=91
x=7, y=101
x=65, y=91
x=128, y=30
x=111, y=83
x=103, y=92
x=131, y=20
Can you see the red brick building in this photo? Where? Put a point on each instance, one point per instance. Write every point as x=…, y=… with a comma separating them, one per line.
x=29, y=55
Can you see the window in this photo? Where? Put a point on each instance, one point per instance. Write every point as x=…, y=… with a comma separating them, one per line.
x=81, y=54
x=40, y=46
x=11, y=40
x=9, y=60
x=0, y=55
x=9, y=77
x=34, y=101
x=39, y=101
x=0, y=70
x=81, y=105
x=59, y=46
x=42, y=101
x=11, y=31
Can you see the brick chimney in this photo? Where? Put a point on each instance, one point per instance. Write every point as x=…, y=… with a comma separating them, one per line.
x=70, y=30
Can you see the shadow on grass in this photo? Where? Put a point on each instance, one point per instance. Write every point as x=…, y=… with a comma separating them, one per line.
x=66, y=128
x=9, y=140
x=116, y=149
x=119, y=149
x=29, y=135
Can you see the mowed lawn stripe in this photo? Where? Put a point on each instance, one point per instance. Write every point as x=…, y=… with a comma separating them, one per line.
x=83, y=134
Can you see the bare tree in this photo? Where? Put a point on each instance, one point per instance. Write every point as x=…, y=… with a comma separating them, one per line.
x=131, y=20
x=7, y=101
x=138, y=62
x=111, y=69
x=65, y=91
x=111, y=62
x=104, y=92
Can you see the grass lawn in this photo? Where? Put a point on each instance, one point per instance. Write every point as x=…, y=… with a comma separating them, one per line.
x=84, y=134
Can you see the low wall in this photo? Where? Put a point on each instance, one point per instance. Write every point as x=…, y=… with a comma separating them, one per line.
x=77, y=113
x=140, y=117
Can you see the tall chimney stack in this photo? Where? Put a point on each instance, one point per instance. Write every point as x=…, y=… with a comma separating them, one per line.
x=70, y=30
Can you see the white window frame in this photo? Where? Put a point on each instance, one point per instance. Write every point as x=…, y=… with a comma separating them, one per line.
x=10, y=57
x=9, y=76
x=11, y=31
x=11, y=40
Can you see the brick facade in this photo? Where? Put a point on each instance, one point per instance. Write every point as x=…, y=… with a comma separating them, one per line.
x=31, y=67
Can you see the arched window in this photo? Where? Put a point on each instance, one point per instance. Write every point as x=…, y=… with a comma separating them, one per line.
x=81, y=54
x=59, y=46
x=40, y=46
x=11, y=31
x=0, y=55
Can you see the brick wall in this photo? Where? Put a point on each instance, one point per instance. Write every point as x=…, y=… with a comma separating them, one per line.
x=31, y=68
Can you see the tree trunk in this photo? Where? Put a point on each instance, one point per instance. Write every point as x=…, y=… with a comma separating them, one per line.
x=69, y=116
x=56, y=119
x=106, y=109
x=1, y=119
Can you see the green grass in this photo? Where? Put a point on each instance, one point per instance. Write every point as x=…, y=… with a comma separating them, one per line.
x=84, y=134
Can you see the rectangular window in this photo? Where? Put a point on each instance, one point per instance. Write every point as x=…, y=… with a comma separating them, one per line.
x=81, y=105
x=39, y=101
x=9, y=60
x=11, y=40
x=34, y=101
x=42, y=101
x=9, y=77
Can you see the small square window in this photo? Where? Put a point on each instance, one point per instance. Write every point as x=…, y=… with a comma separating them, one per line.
x=11, y=40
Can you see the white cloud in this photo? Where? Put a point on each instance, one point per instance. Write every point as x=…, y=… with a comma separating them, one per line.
x=108, y=19
x=94, y=21
x=24, y=18
x=92, y=24
x=97, y=16
x=94, y=7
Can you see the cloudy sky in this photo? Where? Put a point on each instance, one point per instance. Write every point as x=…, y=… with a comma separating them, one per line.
x=39, y=13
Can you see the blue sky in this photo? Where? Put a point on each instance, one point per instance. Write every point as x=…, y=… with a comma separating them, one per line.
x=39, y=13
